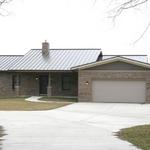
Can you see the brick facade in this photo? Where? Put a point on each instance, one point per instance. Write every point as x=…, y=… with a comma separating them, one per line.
x=57, y=89
x=29, y=85
x=6, y=85
x=85, y=91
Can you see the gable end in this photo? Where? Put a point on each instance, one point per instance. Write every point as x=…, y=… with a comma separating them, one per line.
x=118, y=65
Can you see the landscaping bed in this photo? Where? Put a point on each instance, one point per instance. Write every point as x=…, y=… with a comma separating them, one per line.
x=138, y=135
x=20, y=104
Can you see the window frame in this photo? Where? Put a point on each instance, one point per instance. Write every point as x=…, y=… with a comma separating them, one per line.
x=14, y=81
x=66, y=85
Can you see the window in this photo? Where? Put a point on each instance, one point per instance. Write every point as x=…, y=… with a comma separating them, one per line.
x=66, y=82
x=14, y=81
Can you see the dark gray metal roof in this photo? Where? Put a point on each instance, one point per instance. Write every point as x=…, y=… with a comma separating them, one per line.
x=8, y=60
x=58, y=59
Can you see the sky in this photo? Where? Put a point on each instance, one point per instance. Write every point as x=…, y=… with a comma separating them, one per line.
x=72, y=24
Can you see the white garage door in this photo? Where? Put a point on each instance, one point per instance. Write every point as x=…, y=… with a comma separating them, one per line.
x=118, y=91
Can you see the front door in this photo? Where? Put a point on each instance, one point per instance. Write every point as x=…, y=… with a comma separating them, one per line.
x=43, y=83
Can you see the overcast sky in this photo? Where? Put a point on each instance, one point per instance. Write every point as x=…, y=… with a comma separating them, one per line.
x=72, y=24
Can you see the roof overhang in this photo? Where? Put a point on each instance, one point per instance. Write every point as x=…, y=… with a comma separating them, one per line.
x=40, y=71
x=111, y=60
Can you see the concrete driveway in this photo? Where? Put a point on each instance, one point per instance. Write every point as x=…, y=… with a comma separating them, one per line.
x=80, y=126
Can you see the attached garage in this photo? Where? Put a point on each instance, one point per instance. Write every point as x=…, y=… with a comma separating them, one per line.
x=118, y=91
x=117, y=79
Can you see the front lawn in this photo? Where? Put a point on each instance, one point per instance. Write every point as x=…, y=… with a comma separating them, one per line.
x=138, y=135
x=19, y=104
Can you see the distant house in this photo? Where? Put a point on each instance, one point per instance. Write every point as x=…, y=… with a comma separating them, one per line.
x=84, y=73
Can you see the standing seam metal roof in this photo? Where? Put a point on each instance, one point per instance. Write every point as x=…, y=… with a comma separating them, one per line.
x=57, y=60
x=8, y=60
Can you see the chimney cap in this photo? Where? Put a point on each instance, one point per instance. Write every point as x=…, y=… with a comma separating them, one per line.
x=45, y=41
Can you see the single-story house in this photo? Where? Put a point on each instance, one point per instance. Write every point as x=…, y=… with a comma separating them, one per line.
x=84, y=73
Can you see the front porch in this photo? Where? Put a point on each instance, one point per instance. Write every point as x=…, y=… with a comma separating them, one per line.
x=50, y=84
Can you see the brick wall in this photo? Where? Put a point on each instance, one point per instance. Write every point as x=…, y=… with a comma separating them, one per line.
x=6, y=85
x=57, y=84
x=85, y=91
x=29, y=86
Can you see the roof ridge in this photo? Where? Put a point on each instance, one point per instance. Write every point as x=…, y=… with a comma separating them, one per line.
x=12, y=55
x=127, y=55
x=71, y=49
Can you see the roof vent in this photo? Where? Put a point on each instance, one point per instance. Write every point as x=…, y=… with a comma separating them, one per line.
x=45, y=48
x=100, y=57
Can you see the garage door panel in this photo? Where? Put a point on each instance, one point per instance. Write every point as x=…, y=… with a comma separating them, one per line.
x=118, y=91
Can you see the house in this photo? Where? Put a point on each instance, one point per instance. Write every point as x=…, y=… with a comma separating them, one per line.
x=85, y=73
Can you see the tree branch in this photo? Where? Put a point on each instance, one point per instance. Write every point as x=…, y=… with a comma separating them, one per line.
x=3, y=11
x=117, y=11
x=4, y=1
x=142, y=35
x=129, y=4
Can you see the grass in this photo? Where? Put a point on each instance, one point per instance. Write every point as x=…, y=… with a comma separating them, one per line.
x=138, y=135
x=19, y=104
x=60, y=99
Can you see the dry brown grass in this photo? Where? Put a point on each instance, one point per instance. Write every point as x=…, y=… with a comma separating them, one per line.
x=19, y=104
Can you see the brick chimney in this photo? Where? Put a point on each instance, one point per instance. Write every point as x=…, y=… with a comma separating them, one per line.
x=45, y=48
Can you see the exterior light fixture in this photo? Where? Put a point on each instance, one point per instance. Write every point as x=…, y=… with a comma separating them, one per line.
x=86, y=83
x=36, y=77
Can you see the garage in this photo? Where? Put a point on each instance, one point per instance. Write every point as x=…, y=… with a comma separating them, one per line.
x=118, y=91
x=118, y=79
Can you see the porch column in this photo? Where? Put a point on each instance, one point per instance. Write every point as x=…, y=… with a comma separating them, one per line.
x=49, y=87
x=17, y=85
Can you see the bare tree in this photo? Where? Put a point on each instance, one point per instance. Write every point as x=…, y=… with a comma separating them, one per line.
x=129, y=4
x=2, y=3
x=121, y=7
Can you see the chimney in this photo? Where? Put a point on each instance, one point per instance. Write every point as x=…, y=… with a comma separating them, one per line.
x=45, y=48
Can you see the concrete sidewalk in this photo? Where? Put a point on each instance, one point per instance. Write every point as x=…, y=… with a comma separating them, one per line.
x=34, y=99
